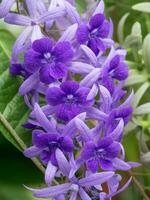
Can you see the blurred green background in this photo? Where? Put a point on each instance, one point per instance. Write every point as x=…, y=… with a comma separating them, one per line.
x=16, y=170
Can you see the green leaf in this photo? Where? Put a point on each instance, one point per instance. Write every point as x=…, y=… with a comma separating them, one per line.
x=134, y=40
x=142, y=7
x=130, y=127
x=13, y=111
x=121, y=28
x=12, y=106
x=135, y=77
x=146, y=52
x=139, y=94
x=143, y=109
x=81, y=5
x=136, y=29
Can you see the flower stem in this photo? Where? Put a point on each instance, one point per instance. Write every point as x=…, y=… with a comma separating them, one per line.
x=139, y=186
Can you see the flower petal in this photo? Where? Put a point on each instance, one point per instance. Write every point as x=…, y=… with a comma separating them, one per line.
x=69, y=34
x=84, y=195
x=32, y=61
x=67, y=144
x=90, y=54
x=82, y=33
x=32, y=5
x=40, y=139
x=96, y=179
x=113, y=150
x=17, y=19
x=73, y=196
x=29, y=84
x=57, y=70
x=72, y=12
x=45, y=76
x=42, y=119
x=67, y=112
x=83, y=129
x=92, y=165
x=106, y=164
x=91, y=78
x=51, y=15
x=116, y=133
x=96, y=21
x=121, y=72
x=103, y=31
x=105, y=142
x=50, y=173
x=5, y=6
x=54, y=96
x=43, y=45
x=50, y=191
x=93, y=45
x=69, y=87
x=63, y=52
x=105, y=98
x=80, y=68
x=121, y=165
x=32, y=152
x=62, y=162
x=94, y=113
x=88, y=151
x=82, y=94
x=99, y=8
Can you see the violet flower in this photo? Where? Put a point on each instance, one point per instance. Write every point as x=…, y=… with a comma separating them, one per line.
x=104, y=155
x=32, y=23
x=46, y=145
x=94, y=34
x=113, y=186
x=51, y=61
x=69, y=100
x=74, y=186
x=116, y=69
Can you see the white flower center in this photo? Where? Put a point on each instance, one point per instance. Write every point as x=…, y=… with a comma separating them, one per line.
x=70, y=96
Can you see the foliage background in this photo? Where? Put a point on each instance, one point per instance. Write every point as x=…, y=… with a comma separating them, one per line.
x=16, y=170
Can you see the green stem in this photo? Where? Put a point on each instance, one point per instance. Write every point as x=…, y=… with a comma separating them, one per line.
x=147, y=22
x=140, y=187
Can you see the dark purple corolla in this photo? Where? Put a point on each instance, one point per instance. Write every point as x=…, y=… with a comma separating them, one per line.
x=94, y=33
x=117, y=69
x=100, y=154
x=51, y=61
x=45, y=145
x=122, y=112
x=69, y=99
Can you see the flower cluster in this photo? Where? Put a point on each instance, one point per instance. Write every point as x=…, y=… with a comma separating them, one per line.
x=74, y=77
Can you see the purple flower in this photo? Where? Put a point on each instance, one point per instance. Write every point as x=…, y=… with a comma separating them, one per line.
x=100, y=154
x=46, y=145
x=51, y=61
x=113, y=186
x=75, y=186
x=15, y=69
x=122, y=112
x=116, y=69
x=94, y=33
x=69, y=100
